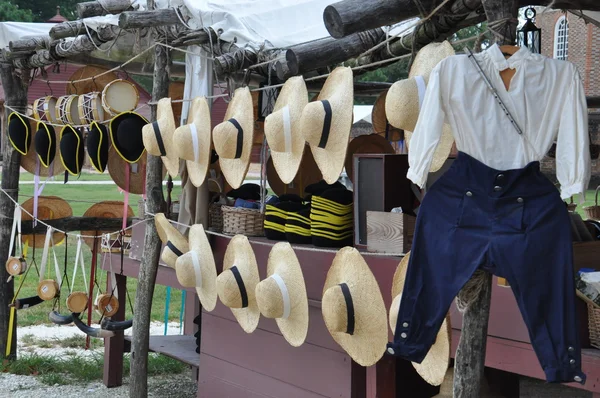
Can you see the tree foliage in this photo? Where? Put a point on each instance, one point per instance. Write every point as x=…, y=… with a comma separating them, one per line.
x=44, y=10
x=12, y=12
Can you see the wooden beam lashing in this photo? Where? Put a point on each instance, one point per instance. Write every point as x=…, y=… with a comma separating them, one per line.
x=75, y=224
x=67, y=29
x=95, y=8
x=29, y=45
x=325, y=52
x=144, y=19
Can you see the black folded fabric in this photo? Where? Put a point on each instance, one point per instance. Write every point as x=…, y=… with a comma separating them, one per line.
x=71, y=149
x=44, y=142
x=18, y=133
x=248, y=191
x=125, y=131
x=321, y=186
x=298, y=227
x=275, y=219
x=97, y=146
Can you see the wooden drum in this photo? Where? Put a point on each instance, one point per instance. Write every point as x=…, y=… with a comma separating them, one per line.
x=77, y=302
x=16, y=266
x=90, y=108
x=45, y=109
x=119, y=96
x=47, y=289
x=106, y=305
x=67, y=110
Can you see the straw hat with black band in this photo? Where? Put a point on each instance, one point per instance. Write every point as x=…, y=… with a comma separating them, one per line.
x=19, y=133
x=236, y=285
x=353, y=308
x=433, y=368
x=158, y=136
x=326, y=123
x=125, y=131
x=49, y=208
x=175, y=243
x=282, y=128
x=404, y=99
x=193, y=141
x=97, y=146
x=233, y=137
x=369, y=143
x=72, y=151
x=40, y=152
x=105, y=209
x=197, y=268
x=282, y=294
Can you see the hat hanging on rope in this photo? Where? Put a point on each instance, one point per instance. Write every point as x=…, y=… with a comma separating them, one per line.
x=45, y=143
x=118, y=167
x=194, y=141
x=380, y=123
x=158, y=136
x=282, y=294
x=326, y=123
x=125, y=132
x=405, y=97
x=197, y=268
x=233, y=137
x=435, y=365
x=19, y=133
x=32, y=162
x=175, y=243
x=97, y=146
x=370, y=143
x=237, y=283
x=282, y=129
x=49, y=208
x=72, y=151
x=353, y=308
x=105, y=209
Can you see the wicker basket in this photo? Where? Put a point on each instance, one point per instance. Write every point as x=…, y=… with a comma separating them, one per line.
x=239, y=220
x=593, y=212
x=215, y=217
x=593, y=320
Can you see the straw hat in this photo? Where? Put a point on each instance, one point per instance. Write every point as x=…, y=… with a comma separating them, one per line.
x=233, y=138
x=282, y=128
x=282, y=295
x=49, y=208
x=326, y=123
x=370, y=143
x=96, y=84
x=104, y=209
x=380, y=121
x=433, y=368
x=360, y=311
x=175, y=243
x=125, y=132
x=158, y=136
x=236, y=285
x=117, y=167
x=72, y=149
x=197, y=268
x=97, y=146
x=30, y=161
x=308, y=173
x=19, y=133
x=194, y=141
x=405, y=96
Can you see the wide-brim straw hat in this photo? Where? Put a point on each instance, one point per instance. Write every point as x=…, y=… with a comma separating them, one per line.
x=368, y=340
x=117, y=168
x=175, y=243
x=282, y=295
x=236, y=285
x=104, y=209
x=308, y=173
x=197, y=268
x=31, y=160
x=326, y=123
x=442, y=150
x=96, y=84
x=49, y=208
x=193, y=141
x=158, y=136
x=233, y=137
x=282, y=128
x=370, y=143
x=380, y=122
x=435, y=365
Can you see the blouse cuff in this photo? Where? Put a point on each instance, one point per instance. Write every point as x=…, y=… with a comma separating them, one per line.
x=577, y=188
x=417, y=179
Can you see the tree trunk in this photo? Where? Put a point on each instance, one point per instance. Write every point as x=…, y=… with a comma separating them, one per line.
x=144, y=19
x=94, y=8
x=30, y=45
x=16, y=96
x=67, y=29
x=138, y=384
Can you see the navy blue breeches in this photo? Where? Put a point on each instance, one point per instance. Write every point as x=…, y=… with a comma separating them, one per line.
x=512, y=223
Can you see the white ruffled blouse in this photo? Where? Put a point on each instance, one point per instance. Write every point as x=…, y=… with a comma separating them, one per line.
x=546, y=98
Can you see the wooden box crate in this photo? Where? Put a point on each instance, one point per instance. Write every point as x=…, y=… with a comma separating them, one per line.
x=390, y=233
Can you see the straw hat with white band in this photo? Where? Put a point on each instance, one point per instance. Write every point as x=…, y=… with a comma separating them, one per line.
x=282, y=128
x=196, y=268
x=405, y=97
x=175, y=243
x=194, y=141
x=158, y=136
x=353, y=308
x=233, y=137
x=236, y=285
x=433, y=368
x=282, y=295
x=326, y=123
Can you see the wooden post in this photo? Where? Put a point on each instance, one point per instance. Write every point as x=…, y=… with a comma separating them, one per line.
x=67, y=29
x=15, y=91
x=96, y=8
x=138, y=384
x=470, y=356
x=114, y=347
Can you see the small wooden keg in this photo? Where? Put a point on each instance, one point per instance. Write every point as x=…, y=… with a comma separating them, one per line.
x=77, y=302
x=106, y=305
x=47, y=289
x=16, y=266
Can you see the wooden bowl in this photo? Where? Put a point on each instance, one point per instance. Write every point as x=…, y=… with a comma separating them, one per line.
x=16, y=266
x=47, y=289
x=77, y=302
x=106, y=305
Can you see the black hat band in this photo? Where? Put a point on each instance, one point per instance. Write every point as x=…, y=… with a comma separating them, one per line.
x=174, y=249
x=349, y=308
x=241, y=286
x=159, y=140
x=326, y=124
x=240, y=138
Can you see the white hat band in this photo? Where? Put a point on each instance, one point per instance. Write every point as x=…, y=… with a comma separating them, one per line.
x=195, y=141
x=421, y=87
x=285, y=294
x=196, y=262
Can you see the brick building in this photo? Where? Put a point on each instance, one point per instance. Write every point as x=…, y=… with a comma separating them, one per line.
x=566, y=36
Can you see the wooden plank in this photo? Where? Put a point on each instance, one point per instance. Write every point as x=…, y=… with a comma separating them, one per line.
x=76, y=224
x=179, y=347
x=115, y=346
x=390, y=233
x=219, y=378
x=264, y=354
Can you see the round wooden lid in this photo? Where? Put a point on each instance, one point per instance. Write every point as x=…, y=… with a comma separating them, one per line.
x=47, y=289
x=16, y=266
x=77, y=302
x=107, y=305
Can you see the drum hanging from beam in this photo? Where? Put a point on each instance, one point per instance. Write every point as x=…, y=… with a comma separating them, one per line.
x=119, y=96
x=68, y=113
x=90, y=108
x=45, y=110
